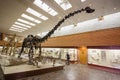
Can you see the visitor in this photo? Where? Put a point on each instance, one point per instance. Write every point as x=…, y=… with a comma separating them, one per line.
x=68, y=59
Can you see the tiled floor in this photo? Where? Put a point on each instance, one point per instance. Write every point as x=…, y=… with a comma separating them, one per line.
x=76, y=72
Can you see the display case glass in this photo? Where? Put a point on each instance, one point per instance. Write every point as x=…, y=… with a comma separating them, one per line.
x=60, y=53
x=104, y=57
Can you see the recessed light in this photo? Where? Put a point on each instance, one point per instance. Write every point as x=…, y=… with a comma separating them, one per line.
x=90, y=4
x=37, y=14
x=64, y=4
x=26, y=22
x=93, y=14
x=60, y=17
x=21, y=24
x=30, y=18
x=83, y=0
x=45, y=7
x=114, y=8
x=20, y=27
x=17, y=30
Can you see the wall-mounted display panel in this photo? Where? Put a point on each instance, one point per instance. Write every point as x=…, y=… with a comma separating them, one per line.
x=60, y=53
x=104, y=57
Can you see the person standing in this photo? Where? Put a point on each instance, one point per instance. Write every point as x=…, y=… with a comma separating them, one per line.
x=68, y=59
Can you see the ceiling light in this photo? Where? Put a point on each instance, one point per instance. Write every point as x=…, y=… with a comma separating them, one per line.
x=64, y=4
x=13, y=29
x=30, y=18
x=37, y=14
x=60, y=17
x=43, y=17
x=26, y=22
x=90, y=4
x=22, y=24
x=17, y=28
x=83, y=0
x=45, y=7
x=114, y=8
x=20, y=27
x=93, y=14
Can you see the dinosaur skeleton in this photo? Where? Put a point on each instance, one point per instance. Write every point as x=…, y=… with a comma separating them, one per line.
x=10, y=46
x=35, y=41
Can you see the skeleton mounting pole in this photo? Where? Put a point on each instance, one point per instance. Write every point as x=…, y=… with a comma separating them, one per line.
x=40, y=51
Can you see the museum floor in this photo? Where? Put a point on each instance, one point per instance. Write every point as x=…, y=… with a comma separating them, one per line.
x=76, y=72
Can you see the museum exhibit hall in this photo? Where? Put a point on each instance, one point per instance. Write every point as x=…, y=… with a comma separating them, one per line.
x=59, y=39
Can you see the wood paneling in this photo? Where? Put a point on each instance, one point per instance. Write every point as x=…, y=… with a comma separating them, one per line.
x=2, y=43
x=82, y=55
x=107, y=37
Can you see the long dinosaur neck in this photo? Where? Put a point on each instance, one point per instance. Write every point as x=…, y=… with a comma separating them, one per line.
x=87, y=9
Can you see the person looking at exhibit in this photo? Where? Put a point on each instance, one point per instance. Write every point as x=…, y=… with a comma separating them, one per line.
x=68, y=59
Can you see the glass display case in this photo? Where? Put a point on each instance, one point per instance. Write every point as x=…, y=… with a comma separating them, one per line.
x=104, y=57
x=60, y=53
